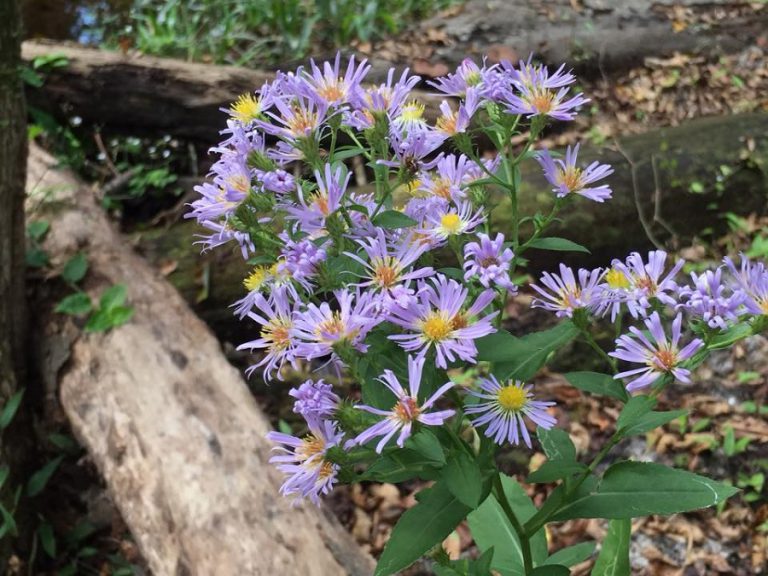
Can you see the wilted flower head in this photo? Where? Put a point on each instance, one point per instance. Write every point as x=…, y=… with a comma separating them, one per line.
x=489, y=261
x=564, y=295
x=567, y=178
x=303, y=460
x=315, y=400
x=752, y=280
x=407, y=409
x=503, y=409
x=711, y=300
x=658, y=355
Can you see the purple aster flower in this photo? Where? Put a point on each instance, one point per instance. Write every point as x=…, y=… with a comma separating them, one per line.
x=406, y=410
x=278, y=181
x=319, y=328
x=312, y=212
x=299, y=259
x=384, y=100
x=475, y=172
x=643, y=281
x=222, y=234
x=567, y=178
x=315, y=400
x=438, y=318
x=296, y=119
x=504, y=409
x=489, y=261
x=709, y=299
x=449, y=179
x=412, y=149
x=529, y=74
x=275, y=316
x=563, y=295
x=329, y=86
x=388, y=267
x=303, y=460
x=452, y=122
x=658, y=355
x=264, y=279
x=467, y=76
x=539, y=94
x=409, y=117
x=452, y=220
x=229, y=186
x=752, y=280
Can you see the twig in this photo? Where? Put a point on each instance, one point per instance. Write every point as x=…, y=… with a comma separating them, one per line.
x=657, y=217
x=105, y=153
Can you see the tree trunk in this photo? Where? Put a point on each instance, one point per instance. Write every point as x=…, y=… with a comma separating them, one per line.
x=170, y=424
x=13, y=152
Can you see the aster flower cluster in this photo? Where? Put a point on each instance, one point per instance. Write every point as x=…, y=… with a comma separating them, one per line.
x=649, y=290
x=373, y=295
x=335, y=266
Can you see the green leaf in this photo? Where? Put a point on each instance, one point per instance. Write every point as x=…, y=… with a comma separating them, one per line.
x=120, y=315
x=596, y=383
x=651, y=421
x=556, y=443
x=572, y=555
x=399, y=465
x=730, y=336
x=636, y=408
x=75, y=268
x=613, y=559
x=634, y=489
x=557, y=244
x=551, y=570
x=39, y=479
x=38, y=229
x=9, y=523
x=392, y=220
x=553, y=470
x=426, y=443
x=10, y=409
x=47, y=538
x=420, y=528
x=347, y=152
x=113, y=297
x=75, y=304
x=521, y=358
x=36, y=258
x=491, y=528
x=464, y=479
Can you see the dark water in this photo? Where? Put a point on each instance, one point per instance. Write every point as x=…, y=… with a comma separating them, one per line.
x=86, y=21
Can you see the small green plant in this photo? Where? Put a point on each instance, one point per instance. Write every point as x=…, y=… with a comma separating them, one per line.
x=111, y=311
x=36, y=257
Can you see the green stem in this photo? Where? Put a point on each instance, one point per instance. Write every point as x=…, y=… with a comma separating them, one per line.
x=597, y=348
x=525, y=540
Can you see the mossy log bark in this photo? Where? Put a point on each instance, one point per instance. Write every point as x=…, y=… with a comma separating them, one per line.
x=170, y=424
x=726, y=158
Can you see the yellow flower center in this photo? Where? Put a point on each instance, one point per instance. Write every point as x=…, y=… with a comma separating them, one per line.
x=447, y=123
x=413, y=111
x=332, y=91
x=512, y=398
x=257, y=278
x=617, y=279
x=442, y=188
x=406, y=410
x=451, y=223
x=542, y=101
x=302, y=122
x=473, y=78
x=664, y=359
x=246, y=108
x=239, y=182
x=436, y=327
x=386, y=272
x=459, y=321
x=570, y=178
x=278, y=333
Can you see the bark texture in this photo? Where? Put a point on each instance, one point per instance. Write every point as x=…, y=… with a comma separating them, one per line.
x=597, y=34
x=163, y=95
x=171, y=424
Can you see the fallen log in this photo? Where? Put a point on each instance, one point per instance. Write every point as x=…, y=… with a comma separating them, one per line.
x=163, y=95
x=596, y=35
x=169, y=423
x=682, y=178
